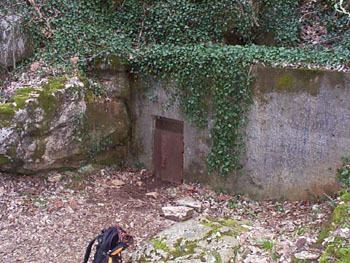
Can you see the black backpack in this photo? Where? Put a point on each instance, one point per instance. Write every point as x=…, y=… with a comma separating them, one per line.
x=110, y=243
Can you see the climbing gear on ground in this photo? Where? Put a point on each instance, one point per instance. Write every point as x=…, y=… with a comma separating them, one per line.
x=110, y=243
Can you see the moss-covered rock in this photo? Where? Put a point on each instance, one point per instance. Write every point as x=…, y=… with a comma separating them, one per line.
x=7, y=112
x=336, y=236
x=198, y=240
x=56, y=127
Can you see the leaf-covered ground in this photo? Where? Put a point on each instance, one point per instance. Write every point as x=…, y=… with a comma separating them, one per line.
x=51, y=218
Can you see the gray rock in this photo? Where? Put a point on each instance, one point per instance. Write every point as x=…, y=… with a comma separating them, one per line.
x=177, y=213
x=190, y=202
x=196, y=240
x=61, y=125
x=15, y=44
x=89, y=168
x=305, y=255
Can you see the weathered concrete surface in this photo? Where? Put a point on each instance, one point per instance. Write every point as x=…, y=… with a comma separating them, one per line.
x=151, y=99
x=197, y=240
x=298, y=130
x=61, y=125
x=15, y=45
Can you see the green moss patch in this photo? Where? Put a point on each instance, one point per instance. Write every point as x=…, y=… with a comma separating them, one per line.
x=337, y=251
x=341, y=214
x=47, y=98
x=21, y=95
x=217, y=224
x=337, y=248
x=289, y=80
x=7, y=111
x=159, y=244
x=345, y=197
x=180, y=248
x=183, y=248
x=4, y=159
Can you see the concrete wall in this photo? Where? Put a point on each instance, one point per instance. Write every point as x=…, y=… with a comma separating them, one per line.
x=147, y=103
x=299, y=128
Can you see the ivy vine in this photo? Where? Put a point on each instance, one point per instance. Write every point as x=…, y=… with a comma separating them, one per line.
x=214, y=81
x=187, y=41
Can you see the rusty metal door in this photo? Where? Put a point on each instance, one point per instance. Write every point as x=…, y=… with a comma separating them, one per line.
x=168, y=150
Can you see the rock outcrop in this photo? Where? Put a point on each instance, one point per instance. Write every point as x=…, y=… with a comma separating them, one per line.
x=15, y=44
x=61, y=125
x=197, y=240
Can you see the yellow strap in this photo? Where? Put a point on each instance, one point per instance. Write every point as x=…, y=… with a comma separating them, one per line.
x=110, y=260
x=116, y=252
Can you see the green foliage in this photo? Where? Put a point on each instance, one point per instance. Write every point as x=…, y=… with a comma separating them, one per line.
x=213, y=83
x=337, y=248
x=280, y=18
x=182, y=41
x=207, y=79
x=343, y=173
x=267, y=244
x=183, y=22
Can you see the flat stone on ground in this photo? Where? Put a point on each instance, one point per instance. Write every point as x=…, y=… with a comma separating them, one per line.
x=190, y=202
x=177, y=213
x=305, y=255
x=117, y=183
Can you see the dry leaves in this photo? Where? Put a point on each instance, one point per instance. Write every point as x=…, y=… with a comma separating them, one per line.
x=51, y=218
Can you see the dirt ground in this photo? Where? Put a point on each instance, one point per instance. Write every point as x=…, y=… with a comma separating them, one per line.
x=52, y=217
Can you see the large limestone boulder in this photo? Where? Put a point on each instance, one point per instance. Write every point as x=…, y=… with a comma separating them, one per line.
x=196, y=240
x=61, y=125
x=15, y=44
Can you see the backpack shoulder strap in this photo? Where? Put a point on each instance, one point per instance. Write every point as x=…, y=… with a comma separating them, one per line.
x=88, y=250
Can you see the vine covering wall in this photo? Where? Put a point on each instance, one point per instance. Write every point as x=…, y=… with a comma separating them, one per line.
x=188, y=41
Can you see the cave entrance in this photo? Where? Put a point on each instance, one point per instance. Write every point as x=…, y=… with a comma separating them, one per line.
x=168, y=149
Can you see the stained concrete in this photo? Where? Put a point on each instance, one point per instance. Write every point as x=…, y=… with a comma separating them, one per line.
x=151, y=99
x=298, y=130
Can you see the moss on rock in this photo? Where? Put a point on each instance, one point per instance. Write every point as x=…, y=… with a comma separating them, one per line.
x=337, y=247
x=47, y=99
x=7, y=111
x=4, y=159
x=183, y=248
x=217, y=225
x=193, y=240
x=21, y=95
x=341, y=214
x=337, y=251
x=345, y=197
x=160, y=244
